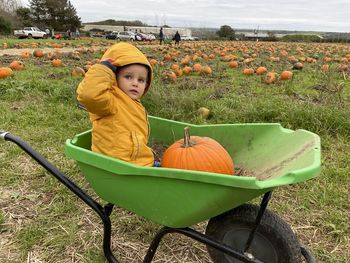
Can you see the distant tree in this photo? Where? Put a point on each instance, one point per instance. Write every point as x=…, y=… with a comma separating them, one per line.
x=8, y=6
x=57, y=14
x=5, y=26
x=301, y=38
x=226, y=32
x=8, y=15
x=113, y=22
x=24, y=16
x=271, y=36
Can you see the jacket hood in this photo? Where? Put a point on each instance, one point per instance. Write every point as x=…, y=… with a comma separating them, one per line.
x=125, y=54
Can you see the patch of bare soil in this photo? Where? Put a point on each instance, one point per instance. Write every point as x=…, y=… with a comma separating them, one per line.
x=17, y=51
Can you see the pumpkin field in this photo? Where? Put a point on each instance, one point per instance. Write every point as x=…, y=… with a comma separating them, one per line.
x=299, y=85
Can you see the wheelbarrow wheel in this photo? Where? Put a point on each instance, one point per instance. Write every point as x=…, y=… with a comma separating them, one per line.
x=273, y=242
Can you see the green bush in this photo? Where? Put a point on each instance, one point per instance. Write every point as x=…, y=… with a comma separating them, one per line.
x=5, y=26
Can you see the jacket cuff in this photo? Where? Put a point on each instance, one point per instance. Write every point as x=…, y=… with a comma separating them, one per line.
x=109, y=65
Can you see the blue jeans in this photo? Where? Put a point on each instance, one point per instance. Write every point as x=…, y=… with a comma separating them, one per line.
x=156, y=164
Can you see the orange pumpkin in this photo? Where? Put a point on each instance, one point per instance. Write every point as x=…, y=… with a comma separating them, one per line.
x=185, y=61
x=153, y=62
x=270, y=77
x=38, y=53
x=56, y=63
x=170, y=75
x=325, y=68
x=199, y=154
x=178, y=72
x=233, y=64
x=187, y=70
x=343, y=67
x=261, y=70
x=197, y=67
x=17, y=65
x=286, y=75
x=298, y=65
x=248, y=71
x=5, y=72
x=174, y=67
x=78, y=71
x=207, y=70
x=25, y=54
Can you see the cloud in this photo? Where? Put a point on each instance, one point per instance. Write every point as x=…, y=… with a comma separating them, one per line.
x=316, y=15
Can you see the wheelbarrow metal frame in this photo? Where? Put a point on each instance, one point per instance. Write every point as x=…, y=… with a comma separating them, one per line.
x=104, y=213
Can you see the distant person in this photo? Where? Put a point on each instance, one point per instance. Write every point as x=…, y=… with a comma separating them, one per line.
x=77, y=33
x=177, y=38
x=68, y=34
x=161, y=36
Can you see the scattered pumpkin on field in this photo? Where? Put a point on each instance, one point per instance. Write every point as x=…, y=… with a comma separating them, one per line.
x=197, y=67
x=187, y=70
x=25, y=54
x=153, y=61
x=261, y=70
x=170, y=75
x=207, y=70
x=233, y=64
x=199, y=154
x=78, y=71
x=38, y=53
x=248, y=71
x=286, y=75
x=343, y=67
x=16, y=65
x=298, y=65
x=325, y=68
x=56, y=62
x=174, y=66
x=5, y=72
x=270, y=77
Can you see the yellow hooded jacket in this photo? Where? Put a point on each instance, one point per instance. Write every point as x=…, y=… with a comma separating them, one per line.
x=120, y=126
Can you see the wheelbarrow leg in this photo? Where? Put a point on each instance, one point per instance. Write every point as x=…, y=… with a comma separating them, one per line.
x=196, y=236
x=263, y=206
x=102, y=212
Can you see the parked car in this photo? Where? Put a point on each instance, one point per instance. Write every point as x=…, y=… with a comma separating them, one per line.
x=151, y=37
x=142, y=37
x=112, y=35
x=30, y=32
x=187, y=38
x=126, y=35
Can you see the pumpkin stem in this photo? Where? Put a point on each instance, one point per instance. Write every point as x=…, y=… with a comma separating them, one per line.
x=187, y=138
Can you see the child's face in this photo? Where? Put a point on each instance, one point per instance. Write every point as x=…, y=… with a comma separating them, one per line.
x=132, y=79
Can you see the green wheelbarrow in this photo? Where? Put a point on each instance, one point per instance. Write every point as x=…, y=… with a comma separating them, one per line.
x=237, y=231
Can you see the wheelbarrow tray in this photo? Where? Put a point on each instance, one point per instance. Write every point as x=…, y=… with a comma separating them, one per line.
x=272, y=155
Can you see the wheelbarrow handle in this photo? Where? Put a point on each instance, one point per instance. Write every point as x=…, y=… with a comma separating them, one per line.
x=50, y=168
x=3, y=134
x=102, y=212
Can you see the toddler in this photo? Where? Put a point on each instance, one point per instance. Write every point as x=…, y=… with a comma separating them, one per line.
x=111, y=92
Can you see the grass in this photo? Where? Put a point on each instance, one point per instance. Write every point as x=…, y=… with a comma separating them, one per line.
x=41, y=221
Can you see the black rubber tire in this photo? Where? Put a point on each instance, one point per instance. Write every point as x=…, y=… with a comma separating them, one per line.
x=274, y=240
x=29, y=36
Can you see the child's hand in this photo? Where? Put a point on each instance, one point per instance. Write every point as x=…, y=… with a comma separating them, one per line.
x=108, y=63
x=110, y=60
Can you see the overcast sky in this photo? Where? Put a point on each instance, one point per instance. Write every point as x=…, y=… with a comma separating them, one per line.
x=306, y=15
